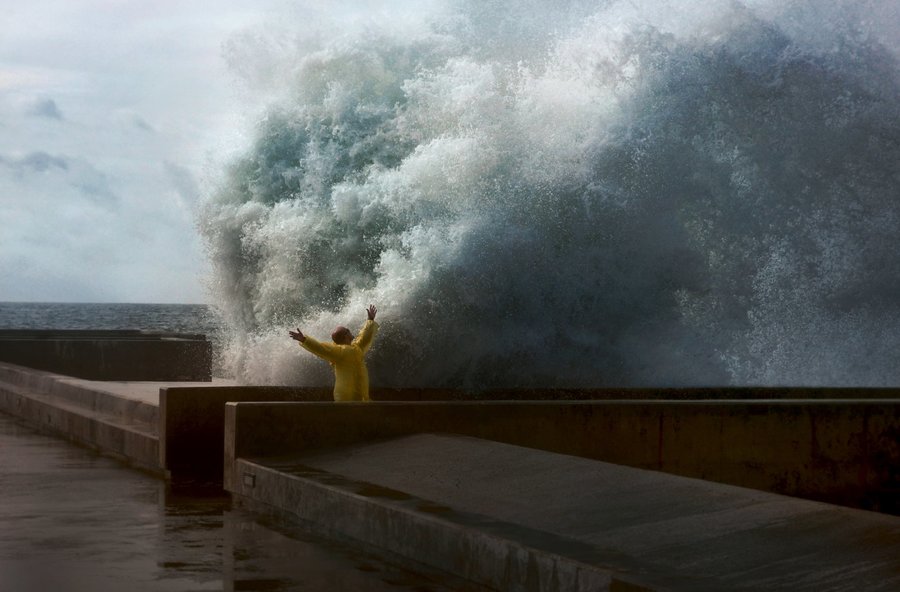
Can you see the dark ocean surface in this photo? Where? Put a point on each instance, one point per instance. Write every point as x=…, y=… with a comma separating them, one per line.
x=181, y=318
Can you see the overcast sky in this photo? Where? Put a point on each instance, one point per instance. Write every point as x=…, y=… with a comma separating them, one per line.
x=113, y=116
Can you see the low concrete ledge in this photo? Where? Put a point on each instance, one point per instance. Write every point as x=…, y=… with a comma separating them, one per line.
x=135, y=442
x=191, y=418
x=515, y=518
x=633, y=394
x=845, y=452
x=110, y=355
x=80, y=412
x=74, y=392
x=392, y=522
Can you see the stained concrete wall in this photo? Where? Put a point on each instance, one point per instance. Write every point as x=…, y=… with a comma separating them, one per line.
x=124, y=428
x=110, y=355
x=840, y=451
x=657, y=393
x=191, y=418
x=192, y=423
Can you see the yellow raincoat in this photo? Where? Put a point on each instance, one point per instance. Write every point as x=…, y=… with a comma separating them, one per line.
x=351, y=378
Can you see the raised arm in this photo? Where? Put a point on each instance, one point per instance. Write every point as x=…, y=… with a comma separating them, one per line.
x=364, y=339
x=326, y=351
x=330, y=352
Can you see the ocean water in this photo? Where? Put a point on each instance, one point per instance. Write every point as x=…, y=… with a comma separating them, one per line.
x=569, y=193
x=179, y=318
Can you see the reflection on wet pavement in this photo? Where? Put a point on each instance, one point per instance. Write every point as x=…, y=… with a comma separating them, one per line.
x=72, y=521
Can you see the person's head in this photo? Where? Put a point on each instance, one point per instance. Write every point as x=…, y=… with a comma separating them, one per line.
x=342, y=336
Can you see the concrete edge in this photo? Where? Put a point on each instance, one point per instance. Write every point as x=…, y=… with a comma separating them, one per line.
x=191, y=422
x=841, y=452
x=475, y=555
x=92, y=398
x=130, y=444
x=141, y=356
x=30, y=378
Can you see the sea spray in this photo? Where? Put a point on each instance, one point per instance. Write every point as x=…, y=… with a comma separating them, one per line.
x=578, y=194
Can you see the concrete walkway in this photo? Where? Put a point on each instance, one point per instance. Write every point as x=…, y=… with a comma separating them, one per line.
x=42, y=382
x=516, y=518
x=119, y=418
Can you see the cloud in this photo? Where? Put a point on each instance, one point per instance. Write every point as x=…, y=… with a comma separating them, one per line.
x=98, y=101
x=39, y=162
x=140, y=123
x=128, y=119
x=40, y=169
x=183, y=181
x=94, y=184
x=45, y=108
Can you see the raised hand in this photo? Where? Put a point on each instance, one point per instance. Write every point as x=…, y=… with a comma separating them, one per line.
x=297, y=335
x=371, y=312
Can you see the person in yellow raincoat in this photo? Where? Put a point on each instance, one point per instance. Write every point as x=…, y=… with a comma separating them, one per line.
x=346, y=356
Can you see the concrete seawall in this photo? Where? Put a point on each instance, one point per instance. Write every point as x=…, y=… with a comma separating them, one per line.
x=110, y=355
x=84, y=412
x=513, y=518
x=192, y=418
x=843, y=451
x=515, y=495
x=192, y=423
x=840, y=451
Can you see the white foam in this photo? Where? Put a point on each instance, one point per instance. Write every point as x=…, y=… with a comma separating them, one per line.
x=649, y=192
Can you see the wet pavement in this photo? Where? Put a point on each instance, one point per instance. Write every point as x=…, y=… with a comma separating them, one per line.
x=72, y=520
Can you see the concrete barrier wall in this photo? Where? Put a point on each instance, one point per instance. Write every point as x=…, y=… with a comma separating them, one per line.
x=191, y=423
x=110, y=355
x=133, y=441
x=191, y=418
x=124, y=428
x=65, y=391
x=840, y=451
x=657, y=393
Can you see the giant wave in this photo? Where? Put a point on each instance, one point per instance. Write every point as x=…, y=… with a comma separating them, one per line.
x=574, y=194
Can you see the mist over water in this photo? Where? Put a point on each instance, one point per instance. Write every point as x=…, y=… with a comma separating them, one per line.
x=571, y=194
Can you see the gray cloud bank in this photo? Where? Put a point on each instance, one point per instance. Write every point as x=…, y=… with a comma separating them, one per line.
x=74, y=172
x=45, y=108
x=109, y=116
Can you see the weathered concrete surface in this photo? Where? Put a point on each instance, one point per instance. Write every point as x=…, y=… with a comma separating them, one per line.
x=643, y=394
x=323, y=393
x=844, y=452
x=192, y=423
x=125, y=436
x=840, y=451
x=117, y=418
x=110, y=355
x=191, y=418
x=514, y=518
